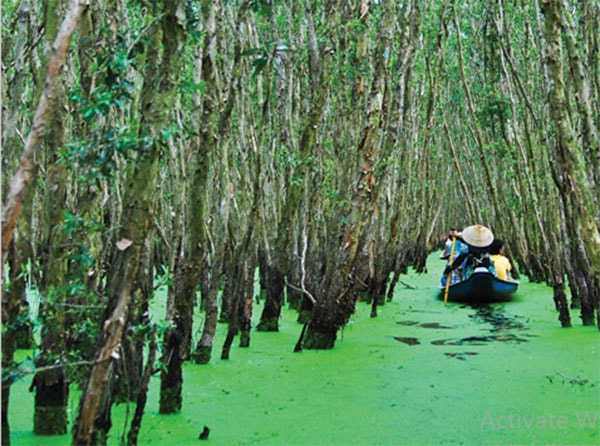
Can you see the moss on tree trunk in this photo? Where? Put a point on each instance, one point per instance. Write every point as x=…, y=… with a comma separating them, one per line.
x=269, y=319
x=51, y=398
x=170, y=399
x=561, y=304
x=317, y=340
x=202, y=354
x=50, y=420
x=171, y=378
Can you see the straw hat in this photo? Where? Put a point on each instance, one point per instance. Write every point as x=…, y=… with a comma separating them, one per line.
x=478, y=236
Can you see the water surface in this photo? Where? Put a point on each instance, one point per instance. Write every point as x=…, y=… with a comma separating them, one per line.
x=421, y=373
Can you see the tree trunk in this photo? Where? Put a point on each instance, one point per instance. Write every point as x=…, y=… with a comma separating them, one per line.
x=136, y=422
x=247, y=295
x=570, y=174
x=560, y=301
x=209, y=289
x=19, y=201
x=355, y=255
x=11, y=307
x=582, y=79
x=280, y=256
x=129, y=365
x=125, y=283
x=171, y=376
x=51, y=386
x=190, y=260
x=241, y=277
x=237, y=288
x=22, y=179
x=51, y=399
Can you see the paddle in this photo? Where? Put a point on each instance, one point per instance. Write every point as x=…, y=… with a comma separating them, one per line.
x=450, y=273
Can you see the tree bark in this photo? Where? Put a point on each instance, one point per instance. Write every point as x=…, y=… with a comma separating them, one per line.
x=570, y=176
x=280, y=256
x=21, y=180
x=51, y=386
x=209, y=290
x=355, y=262
x=125, y=283
x=142, y=396
x=51, y=390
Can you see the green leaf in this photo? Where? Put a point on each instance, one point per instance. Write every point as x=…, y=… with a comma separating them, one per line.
x=254, y=52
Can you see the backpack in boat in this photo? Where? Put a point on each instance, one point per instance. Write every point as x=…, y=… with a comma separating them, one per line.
x=477, y=260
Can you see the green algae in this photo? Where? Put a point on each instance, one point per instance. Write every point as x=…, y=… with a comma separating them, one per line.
x=521, y=379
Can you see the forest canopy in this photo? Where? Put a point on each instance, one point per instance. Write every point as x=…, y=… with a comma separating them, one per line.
x=328, y=145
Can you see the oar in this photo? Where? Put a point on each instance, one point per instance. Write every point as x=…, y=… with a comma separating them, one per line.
x=450, y=273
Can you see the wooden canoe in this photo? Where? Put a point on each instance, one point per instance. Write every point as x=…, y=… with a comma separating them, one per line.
x=481, y=287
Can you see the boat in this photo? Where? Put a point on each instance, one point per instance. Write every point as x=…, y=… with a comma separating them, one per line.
x=481, y=287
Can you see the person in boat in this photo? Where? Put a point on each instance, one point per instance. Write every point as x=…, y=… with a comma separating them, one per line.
x=478, y=239
x=452, y=234
x=459, y=248
x=500, y=261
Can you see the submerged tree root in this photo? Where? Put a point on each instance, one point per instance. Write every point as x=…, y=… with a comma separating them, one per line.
x=568, y=379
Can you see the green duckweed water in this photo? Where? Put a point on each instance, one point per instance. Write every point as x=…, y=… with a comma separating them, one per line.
x=420, y=373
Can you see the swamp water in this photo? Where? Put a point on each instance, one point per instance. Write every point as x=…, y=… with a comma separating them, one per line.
x=421, y=373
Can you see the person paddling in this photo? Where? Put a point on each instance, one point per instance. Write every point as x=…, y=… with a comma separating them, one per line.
x=478, y=239
x=453, y=244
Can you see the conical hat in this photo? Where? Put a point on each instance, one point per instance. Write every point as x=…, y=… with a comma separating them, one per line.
x=478, y=236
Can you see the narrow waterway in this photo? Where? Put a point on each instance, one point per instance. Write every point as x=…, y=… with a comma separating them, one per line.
x=421, y=373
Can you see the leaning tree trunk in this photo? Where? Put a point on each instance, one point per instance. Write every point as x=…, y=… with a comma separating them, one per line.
x=195, y=246
x=243, y=253
x=51, y=386
x=280, y=256
x=158, y=94
x=339, y=293
x=19, y=190
x=571, y=178
x=209, y=284
x=20, y=247
x=22, y=179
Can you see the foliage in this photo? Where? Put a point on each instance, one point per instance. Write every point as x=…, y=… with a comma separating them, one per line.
x=452, y=106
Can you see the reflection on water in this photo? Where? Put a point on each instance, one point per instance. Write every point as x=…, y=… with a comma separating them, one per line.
x=494, y=315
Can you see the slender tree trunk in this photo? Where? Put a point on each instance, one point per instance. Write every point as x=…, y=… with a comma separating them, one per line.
x=237, y=269
x=560, y=298
x=20, y=250
x=142, y=396
x=125, y=283
x=209, y=287
x=190, y=260
x=12, y=300
x=241, y=271
x=247, y=290
x=571, y=178
x=171, y=376
x=52, y=388
x=129, y=365
x=355, y=253
x=23, y=177
x=582, y=80
x=280, y=256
